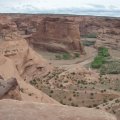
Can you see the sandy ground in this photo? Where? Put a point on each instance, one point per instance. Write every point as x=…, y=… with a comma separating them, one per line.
x=83, y=59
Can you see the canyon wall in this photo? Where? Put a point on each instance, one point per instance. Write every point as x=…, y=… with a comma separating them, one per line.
x=58, y=34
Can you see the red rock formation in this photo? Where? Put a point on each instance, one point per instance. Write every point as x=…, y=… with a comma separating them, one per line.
x=57, y=34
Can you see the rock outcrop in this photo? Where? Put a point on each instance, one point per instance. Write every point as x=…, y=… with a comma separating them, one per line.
x=27, y=92
x=19, y=60
x=28, y=63
x=9, y=89
x=58, y=34
x=33, y=111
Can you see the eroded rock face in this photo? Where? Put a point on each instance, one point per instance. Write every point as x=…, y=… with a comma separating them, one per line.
x=28, y=93
x=9, y=89
x=35, y=111
x=27, y=61
x=58, y=34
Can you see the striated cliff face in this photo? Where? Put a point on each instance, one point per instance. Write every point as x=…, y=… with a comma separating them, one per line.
x=62, y=31
x=57, y=34
x=28, y=63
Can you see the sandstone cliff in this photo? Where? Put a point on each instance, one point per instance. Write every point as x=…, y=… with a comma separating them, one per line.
x=28, y=63
x=27, y=92
x=20, y=61
x=58, y=34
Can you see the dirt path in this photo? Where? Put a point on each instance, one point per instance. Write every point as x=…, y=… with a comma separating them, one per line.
x=83, y=60
x=87, y=60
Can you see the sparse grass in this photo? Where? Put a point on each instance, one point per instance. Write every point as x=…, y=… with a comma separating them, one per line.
x=111, y=68
x=75, y=93
x=67, y=56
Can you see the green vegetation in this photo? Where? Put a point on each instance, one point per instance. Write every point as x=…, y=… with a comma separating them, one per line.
x=88, y=43
x=100, y=59
x=98, y=62
x=58, y=57
x=67, y=56
x=102, y=51
x=33, y=82
x=76, y=55
x=90, y=35
x=112, y=67
x=64, y=56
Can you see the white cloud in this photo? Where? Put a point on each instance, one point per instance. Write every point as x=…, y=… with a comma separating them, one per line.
x=91, y=7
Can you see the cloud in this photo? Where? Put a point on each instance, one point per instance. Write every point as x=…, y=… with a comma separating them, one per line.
x=56, y=8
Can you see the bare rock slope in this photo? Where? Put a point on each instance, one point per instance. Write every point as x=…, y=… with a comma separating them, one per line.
x=27, y=92
x=33, y=111
x=20, y=61
x=28, y=63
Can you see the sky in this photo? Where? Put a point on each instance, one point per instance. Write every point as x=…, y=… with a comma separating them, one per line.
x=79, y=7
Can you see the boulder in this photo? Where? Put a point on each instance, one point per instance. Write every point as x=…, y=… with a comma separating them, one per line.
x=9, y=89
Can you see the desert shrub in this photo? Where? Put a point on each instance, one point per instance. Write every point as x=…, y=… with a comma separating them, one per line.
x=72, y=104
x=89, y=106
x=98, y=62
x=33, y=82
x=102, y=51
x=91, y=94
x=76, y=55
x=90, y=35
x=112, y=67
x=66, y=81
x=58, y=57
x=61, y=101
x=51, y=91
x=117, y=101
x=70, y=99
x=104, y=100
x=66, y=56
x=94, y=105
x=61, y=85
x=97, y=107
x=76, y=105
x=30, y=94
x=88, y=43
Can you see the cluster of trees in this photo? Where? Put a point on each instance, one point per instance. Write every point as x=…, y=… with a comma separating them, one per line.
x=100, y=59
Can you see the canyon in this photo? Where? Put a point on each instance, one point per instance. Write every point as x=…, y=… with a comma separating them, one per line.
x=45, y=65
